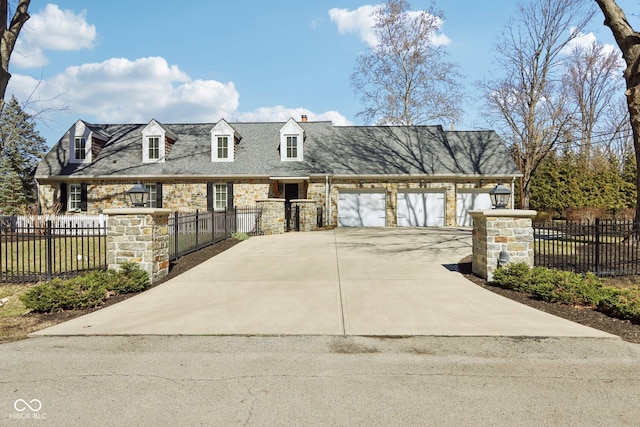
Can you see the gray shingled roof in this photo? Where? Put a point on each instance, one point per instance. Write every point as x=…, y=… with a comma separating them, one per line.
x=349, y=150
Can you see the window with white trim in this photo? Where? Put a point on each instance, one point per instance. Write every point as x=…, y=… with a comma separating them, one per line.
x=153, y=146
x=80, y=148
x=223, y=147
x=75, y=197
x=220, y=197
x=292, y=147
x=153, y=195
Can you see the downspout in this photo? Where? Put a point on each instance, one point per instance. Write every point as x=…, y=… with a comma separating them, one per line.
x=38, y=196
x=513, y=189
x=327, y=201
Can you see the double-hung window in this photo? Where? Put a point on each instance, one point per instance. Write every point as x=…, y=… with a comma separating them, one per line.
x=292, y=147
x=80, y=148
x=221, y=197
x=223, y=147
x=75, y=197
x=154, y=147
x=153, y=195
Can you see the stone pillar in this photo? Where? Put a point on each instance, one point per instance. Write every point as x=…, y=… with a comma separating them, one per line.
x=272, y=215
x=497, y=230
x=141, y=236
x=308, y=213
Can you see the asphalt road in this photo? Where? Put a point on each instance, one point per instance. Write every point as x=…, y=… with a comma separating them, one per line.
x=319, y=380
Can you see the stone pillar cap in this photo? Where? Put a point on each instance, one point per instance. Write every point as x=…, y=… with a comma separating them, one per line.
x=136, y=211
x=514, y=213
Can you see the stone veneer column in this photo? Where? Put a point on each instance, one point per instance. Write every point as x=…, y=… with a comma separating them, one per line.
x=272, y=215
x=308, y=213
x=496, y=230
x=141, y=236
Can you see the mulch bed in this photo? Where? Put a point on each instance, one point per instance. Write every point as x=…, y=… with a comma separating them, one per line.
x=584, y=315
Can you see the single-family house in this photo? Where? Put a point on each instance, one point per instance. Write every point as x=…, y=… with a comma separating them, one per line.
x=358, y=175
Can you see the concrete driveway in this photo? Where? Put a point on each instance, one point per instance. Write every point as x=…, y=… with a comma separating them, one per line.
x=388, y=281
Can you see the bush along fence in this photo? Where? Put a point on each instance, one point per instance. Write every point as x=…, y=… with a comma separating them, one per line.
x=605, y=248
x=43, y=247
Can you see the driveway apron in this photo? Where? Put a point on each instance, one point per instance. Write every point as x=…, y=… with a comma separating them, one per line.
x=379, y=281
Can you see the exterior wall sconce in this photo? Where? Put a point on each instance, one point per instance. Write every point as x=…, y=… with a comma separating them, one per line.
x=500, y=196
x=503, y=258
x=422, y=183
x=361, y=184
x=139, y=195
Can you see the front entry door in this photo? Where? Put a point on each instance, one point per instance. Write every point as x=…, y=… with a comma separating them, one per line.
x=291, y=219
x=290, y=192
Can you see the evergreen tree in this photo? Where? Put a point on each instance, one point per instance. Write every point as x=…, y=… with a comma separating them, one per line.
x=21, y=148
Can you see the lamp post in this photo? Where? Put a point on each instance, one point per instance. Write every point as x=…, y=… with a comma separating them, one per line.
x=139, y=195
x=500, y=196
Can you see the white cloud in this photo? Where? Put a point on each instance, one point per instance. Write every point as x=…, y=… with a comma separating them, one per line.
x=358, y=21
x=52, y=29
x=280, y=113
x=122, y=91
x=362, y=22
x=585, y=41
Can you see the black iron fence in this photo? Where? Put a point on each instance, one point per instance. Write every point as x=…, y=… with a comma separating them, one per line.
x=38, y=248
x=190, y=232
x=606, y=248
x=292, y=217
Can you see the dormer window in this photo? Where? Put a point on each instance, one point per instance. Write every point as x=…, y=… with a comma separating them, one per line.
x=157, y=141
x=224, y=142
x=80, y=148
x=80, y=138
x=291, y=142
x=223, y=147
x=292, y=147
x=153, y=145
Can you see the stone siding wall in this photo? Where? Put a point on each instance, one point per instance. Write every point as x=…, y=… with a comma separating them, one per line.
x=308, y=214
x=272, y=215
x=140, y=236
x=501, y=230
x=187, y=195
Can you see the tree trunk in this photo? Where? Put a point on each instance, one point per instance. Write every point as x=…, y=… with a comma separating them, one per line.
x=8, y=38
x=628, y=41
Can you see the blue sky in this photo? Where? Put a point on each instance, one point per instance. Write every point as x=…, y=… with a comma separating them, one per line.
x=200, y=60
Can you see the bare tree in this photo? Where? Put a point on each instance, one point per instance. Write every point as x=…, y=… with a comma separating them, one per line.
x=403, y=79
x=527, y=102
x=8, y=37
x=628, y=41
x=592, y=76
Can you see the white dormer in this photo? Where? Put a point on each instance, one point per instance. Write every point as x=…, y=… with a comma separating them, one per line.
x=156, y=141
x=291, y=142
x=80, y=143
x=223, y=142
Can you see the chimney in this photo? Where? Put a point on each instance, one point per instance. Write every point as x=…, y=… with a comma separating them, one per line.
x=303, y=119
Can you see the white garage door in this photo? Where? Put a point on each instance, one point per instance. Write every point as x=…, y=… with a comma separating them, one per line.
x=471, y=201
x=420, y=209
x=362, y=209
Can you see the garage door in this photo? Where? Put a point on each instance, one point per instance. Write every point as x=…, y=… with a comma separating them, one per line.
x=471, y=201
x=362, y=209
x=421, y=209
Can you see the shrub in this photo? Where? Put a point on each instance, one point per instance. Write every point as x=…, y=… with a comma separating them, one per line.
x=86, y=291
x=571, y=288
x=512, y=276
x=586, y=215
x=77, y=293
x=622, y=303
x=131, y=278
x=240, y=236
